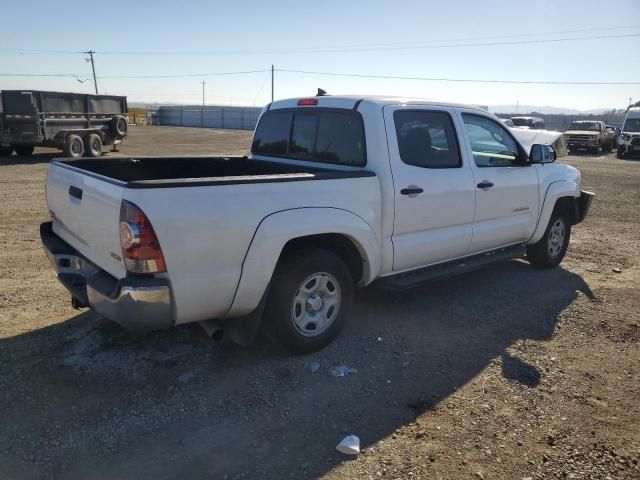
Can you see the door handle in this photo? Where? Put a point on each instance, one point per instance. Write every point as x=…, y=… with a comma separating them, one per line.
x=75, y=192
x=485, y=184
x=411, y=191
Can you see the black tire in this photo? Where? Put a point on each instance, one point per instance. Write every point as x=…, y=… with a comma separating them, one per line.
x=548, y=252
x=6, y=151
x=119, y=125
x=93, y=145
x=24, y=150
x=73, y=146
x=619, y=153
x=294, y=272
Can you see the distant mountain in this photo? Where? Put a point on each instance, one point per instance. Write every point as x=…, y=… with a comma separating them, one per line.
x=524, y=109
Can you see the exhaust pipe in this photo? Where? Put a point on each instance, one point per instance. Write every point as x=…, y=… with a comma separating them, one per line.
x=213, y=329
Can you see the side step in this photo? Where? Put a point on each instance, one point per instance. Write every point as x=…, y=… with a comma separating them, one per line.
x=414, y=278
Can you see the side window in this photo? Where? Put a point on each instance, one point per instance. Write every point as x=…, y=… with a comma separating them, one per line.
x=427, y=139
x=491, y=145
x=272, y=134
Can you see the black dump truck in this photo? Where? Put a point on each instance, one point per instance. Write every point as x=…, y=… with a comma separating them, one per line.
x=76, y=123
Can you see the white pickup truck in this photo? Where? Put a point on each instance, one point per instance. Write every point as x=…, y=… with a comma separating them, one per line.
x=338, y=192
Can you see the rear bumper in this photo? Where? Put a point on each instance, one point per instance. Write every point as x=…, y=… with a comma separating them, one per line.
x=139, y=304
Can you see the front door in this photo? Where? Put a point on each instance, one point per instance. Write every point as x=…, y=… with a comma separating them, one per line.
x=507, y=195
x=434, y=190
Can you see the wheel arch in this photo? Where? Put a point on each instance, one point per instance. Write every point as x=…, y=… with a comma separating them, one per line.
x=337, y=230
x=561, y=195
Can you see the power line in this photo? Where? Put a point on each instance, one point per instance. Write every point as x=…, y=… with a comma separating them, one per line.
x=65, y=75
x=409, y=45
x=26, y=51
x=335, y=74
x=182, y=75
x=467, y=80
x=343, y=49
x=107, y=77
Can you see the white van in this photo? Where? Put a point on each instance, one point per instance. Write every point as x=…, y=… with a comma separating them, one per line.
x=629, y=139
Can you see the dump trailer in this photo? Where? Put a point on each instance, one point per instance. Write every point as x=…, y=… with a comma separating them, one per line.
x=76, y=123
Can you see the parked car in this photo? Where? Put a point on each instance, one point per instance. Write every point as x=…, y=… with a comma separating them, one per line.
x=508, y=122
x=629, y=139
x=76, y=123
x=589, y=135
x=338, y=192
x=528, y=122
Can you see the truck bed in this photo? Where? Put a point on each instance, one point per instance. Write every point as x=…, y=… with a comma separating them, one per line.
x=164, y=172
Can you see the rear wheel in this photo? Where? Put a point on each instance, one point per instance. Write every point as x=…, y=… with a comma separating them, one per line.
x=93, y=145
x=549, y=251
x=6, y=151
x=24, y=150
x=309, y=300
x=73, y=146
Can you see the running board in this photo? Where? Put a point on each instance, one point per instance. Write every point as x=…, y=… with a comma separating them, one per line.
x=414, y=278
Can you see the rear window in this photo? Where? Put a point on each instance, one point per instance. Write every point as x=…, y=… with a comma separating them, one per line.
x=317, y=135
x=272, y=134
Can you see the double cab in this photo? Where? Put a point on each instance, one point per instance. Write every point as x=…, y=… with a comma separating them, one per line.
x=338, y=192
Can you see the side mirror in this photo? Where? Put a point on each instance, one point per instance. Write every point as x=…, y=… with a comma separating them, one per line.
x=542, y=154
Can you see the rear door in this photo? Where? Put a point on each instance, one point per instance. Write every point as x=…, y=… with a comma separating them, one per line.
x=434, y=191
x=507, y=196
x=86, y=214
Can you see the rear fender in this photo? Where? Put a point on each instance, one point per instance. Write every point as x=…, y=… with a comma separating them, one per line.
x=277, y=229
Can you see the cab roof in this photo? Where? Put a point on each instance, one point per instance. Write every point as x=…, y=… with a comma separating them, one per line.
x=350, y=101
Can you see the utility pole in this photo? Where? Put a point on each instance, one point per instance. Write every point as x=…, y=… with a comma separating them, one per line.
x=93, y=68
x=272, y=83
x=202, y=111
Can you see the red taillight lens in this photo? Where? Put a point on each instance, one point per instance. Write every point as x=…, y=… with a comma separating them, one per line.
x=307, y=101
x=140, y=247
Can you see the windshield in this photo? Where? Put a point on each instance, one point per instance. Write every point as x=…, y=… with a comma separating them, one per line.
x=631, y=125
x=591, y=126
x=522, y=122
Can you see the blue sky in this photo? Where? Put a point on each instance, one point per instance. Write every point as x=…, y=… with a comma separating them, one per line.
x=160, y=25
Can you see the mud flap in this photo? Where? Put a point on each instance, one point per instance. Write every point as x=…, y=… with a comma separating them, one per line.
x=243, y=330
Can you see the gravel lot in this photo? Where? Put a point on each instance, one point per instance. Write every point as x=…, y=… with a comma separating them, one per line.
x=507, y=373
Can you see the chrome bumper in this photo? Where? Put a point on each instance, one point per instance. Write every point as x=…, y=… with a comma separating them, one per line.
x=139, y=304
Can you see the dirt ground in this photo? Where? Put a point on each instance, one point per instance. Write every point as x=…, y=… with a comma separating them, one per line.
x=504, y=373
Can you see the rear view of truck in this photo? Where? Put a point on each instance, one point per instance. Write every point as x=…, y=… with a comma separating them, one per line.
x=76, y=123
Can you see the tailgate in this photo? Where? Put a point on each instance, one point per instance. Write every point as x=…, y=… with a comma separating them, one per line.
x=86, y=214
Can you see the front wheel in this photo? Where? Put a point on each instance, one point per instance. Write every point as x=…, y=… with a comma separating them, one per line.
x=309, y=300
x=549, y=251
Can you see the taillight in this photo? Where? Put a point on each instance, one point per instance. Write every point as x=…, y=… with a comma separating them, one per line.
x=140, y=247
x=307, y=101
